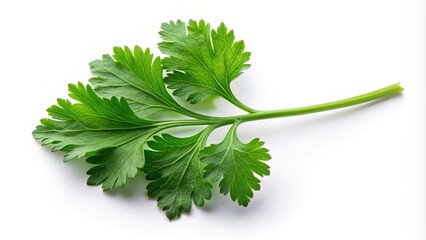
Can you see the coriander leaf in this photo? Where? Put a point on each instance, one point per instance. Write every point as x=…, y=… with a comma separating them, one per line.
x=114, y=165
x=94, y=112
x=202, y=62
x=105, y=131
x=175, y=172
x=235, y=164
x=77, y=142
x=138, y=77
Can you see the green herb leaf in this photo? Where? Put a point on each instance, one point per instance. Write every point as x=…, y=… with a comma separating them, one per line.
x=202, y=62
x=115, y=165
x=138, y=77
x=104, y=131
x=176, y=174
x=235, y=164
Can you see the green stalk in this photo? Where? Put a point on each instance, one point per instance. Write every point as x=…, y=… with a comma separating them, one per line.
x=242, y=106
x=259, y=115
x=379, y=93
x=236, y=102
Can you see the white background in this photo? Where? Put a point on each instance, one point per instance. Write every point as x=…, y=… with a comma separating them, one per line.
x=356, y=173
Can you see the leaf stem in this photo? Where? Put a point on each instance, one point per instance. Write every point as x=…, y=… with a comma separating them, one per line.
x=379, y=93
x=236, y=102
x=259, y=115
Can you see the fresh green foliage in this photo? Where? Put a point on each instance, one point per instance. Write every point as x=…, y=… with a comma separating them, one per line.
x=106, y=132
x=176, y=173
x=235, y=164
x=202, y=63
x=138, y=77
x=113, y=125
